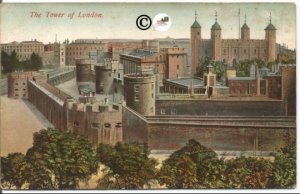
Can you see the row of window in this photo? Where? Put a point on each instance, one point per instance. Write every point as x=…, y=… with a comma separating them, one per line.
x=97, y=125
x=163, y=111
x=245, y=51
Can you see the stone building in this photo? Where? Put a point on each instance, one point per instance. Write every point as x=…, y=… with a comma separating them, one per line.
x=24, y=49
x=168, y=63
x=77, y=50
x=84, y=69
x=139, y=91
x=229, y=50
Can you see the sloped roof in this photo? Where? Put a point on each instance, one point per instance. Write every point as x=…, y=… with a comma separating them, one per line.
x=216, y=26
x=270, y=27
x=196, y=25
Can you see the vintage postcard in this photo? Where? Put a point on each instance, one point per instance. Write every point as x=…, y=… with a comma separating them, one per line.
x=147, y=96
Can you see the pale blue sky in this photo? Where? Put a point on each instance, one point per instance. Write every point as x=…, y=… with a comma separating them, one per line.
x=119, y=20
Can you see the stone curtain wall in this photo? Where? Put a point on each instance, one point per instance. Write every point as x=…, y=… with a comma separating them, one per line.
x=220, y=107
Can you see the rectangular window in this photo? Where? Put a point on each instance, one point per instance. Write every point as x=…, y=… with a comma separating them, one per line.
x=224, y=51
x=137, y=97
x=177, y=67
x=152, y=95
x=136, y=89
x=173, y=111
x=163, y=111
x=254, y=51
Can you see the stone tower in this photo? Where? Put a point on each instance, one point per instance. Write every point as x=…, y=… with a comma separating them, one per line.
x=83, y=70
x=216, y=40
x=195, y=39
x=270, y=38
x=139, y=92
x=245, y=35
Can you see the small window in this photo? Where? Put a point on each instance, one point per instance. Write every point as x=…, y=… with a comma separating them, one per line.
x=16, y=84
x=118, y=125
x=152, y=86
x=137, y=97
x=16, y=89
x=163, y=111
x=177, y=67
x=254, y=51
x=17, y=95
x=24, y=89
x=173, y=111
x=76, y=124
x=234, y=51
x=152, y=95
x=24, y=95
x=136, y=89
x=245, y=51
x=107, y=125
x=224, y=51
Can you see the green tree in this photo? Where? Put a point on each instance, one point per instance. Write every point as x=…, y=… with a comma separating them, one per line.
x=248, y=173
x=284, y=174
x=218, y=69
x=15, y=62
x=128, y=166
x=6, y=64
x=35, y=62
x=13, y=171
x=202, y=67
x=175, y=172
x=179, y=172
x=59, y=160
x=211, y=173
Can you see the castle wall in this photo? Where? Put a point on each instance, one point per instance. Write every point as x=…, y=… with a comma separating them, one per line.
x=289, y=89
x=48, y=104
x=99, y=123
x=172, y=136
x=219, y=133
x=214, y=107
x=134, y=126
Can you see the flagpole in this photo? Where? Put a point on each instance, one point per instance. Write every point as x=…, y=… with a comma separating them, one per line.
x=239, y=23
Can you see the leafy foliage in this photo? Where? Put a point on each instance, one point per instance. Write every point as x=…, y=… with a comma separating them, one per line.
x=59, y=160
x=243, y=67
x=10, y=63
x=128, y=166
x=248, y=173
x=12, y=170
x=180, y=170
x=284, y=174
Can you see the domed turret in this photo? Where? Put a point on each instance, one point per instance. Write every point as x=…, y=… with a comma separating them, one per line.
x=245, y=31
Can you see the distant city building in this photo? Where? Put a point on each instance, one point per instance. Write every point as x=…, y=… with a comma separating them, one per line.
x=24, y=49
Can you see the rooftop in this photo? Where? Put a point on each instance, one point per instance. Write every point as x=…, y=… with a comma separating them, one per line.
x=141, y=53
x=186, y=82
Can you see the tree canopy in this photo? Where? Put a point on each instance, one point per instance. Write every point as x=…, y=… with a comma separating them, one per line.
x=59, y=160
x=11, y=63
x=128, y=166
